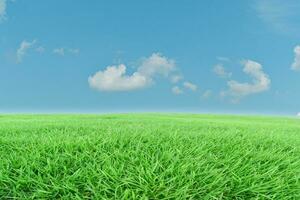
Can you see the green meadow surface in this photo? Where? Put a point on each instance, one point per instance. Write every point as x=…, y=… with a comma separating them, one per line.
x=149, y=156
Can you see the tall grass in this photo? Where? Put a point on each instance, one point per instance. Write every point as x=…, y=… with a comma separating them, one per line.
x=149, y=156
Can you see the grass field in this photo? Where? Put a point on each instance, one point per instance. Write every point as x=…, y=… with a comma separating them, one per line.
x=149, y=156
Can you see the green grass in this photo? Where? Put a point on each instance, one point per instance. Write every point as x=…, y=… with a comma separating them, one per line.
x=149, y=156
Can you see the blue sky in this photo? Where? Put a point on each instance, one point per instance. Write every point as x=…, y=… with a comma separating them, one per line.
x=170, y=56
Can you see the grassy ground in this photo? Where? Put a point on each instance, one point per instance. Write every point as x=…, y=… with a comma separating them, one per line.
x=149, y=156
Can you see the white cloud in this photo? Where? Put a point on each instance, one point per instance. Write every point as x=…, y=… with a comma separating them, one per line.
x=176, y=90
x=114, y=78
x=2, y=9
x=296, y=63
x=74, y=51
x=278, y=14
x=260, y=82
x=40, y=49
x=156, y=64
x=176, y=78
x=24, y=47
x=59, y=51
x=190, y=86
x=298, y=114
x=221, y=72
x=63, y=51
x=207, y=94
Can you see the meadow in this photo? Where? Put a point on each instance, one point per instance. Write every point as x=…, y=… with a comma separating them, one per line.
x=149, y=156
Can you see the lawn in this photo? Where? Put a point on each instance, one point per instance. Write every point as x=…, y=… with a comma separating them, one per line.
x=149, y=156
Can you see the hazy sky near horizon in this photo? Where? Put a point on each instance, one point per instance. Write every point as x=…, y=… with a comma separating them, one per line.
x=121, y=56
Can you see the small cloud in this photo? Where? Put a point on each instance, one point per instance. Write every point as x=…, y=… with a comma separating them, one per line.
x=298, y=114
x=63, y=51
x=296, y=63
x=59, y=51
x=190, y=86
x=207, y=94
x=221, y=72
x=2, y=10
x=74, y=51
x=176, y=78
x=260, y=83
x=24, y=47
x=156, y=64
x=40, y=49
x=176, y=90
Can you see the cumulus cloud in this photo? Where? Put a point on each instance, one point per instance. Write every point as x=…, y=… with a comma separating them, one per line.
x=296, y=63
x=176, y=90
x=156, y=64
x=190, y=86
x=24, y=47
x=2, y=9
x=221, y=72
x=260, y=82
x=298, y=114
x=63, y=51
x=114, y=78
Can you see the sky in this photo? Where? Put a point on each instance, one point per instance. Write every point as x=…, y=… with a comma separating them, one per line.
x=101, y=56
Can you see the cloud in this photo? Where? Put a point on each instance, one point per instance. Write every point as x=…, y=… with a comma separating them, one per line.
x=190, y=86
x=59, y=51
x=280, y=15
x=207, y=94
x=221, y=72
x=298, y=114
x=176, y=90
x=176, y=78
x=2, y=9
x=114, y=78
x=260, y=82
x=156, y=64
x=296, y=63
x=63, y=51
x=24, y=47
x=40, y=49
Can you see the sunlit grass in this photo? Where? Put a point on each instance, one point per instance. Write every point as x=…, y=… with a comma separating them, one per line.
x=149, y=156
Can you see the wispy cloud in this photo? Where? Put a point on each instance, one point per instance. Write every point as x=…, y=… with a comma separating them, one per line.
x=2, y=10
x=114, y=78
x=220, y=71
x=190, y=86
x=22, y=50
x=207, y=94
x=176, y=78
x=40, y=49
x=63, y=51
x=281, y=15
x=260, y=82
x=176, y=90
x=296, y=63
